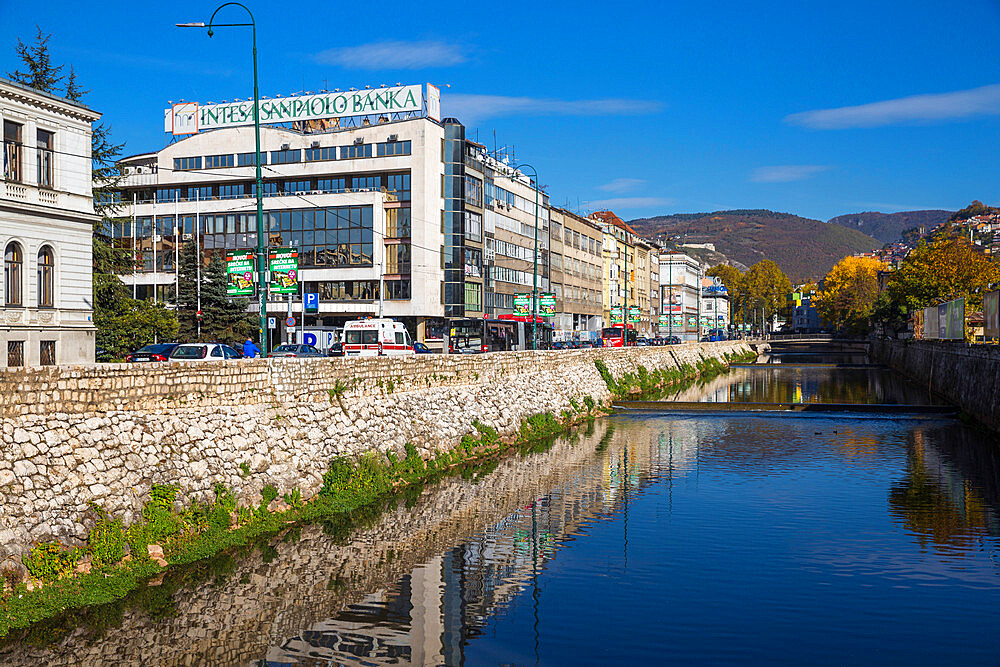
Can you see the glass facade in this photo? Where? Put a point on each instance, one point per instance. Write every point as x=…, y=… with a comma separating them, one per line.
x=453, y=260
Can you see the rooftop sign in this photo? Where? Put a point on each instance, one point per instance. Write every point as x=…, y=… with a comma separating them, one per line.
x=191, y=118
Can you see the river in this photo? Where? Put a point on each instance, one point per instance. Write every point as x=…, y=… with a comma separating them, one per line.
x=639, y=539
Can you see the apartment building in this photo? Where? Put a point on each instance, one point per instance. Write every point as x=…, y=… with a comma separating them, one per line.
x=46, y=229
x=680, y=294
x=621, y=250
x=577, y=268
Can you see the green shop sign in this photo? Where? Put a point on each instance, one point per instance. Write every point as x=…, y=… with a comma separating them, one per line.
x=616, y=314
x=283, y=264
x=239, y=272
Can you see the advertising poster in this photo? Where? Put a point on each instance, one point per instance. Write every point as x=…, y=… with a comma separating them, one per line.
x=522, y=304
x=634, y=314
x=547, y=304
x=283, y=264
x=616, y=314
x=931, y=322
x=239, y=272
x=991, y=313
x=954, y=324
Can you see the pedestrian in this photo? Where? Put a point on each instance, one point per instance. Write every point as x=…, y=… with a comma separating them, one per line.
x=250, y=350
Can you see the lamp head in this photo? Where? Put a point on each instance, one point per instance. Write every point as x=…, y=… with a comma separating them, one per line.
x=210, y=33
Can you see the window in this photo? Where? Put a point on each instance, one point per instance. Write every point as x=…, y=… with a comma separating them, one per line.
x=168, y=194
x=473, y=296
x=271, y=189
x=13, y=260
x=331, y=185
x=473, y=191
x=344, y=290
x=397, y=258
x=45, y=145
x=15, y=353
x=319, y=154
x=47, y=352
x=216, y=161
x=397, y=223
x=12, y=151
x=473, y=226
x=46, y=283
x=292, y=187
x=355, y=151
x=398, y=184
x=473, y=263
x=232, y=191
x=390, y=148
x=360, y=183
x=201, y=193
x=286, y=157
x=247, y=159
x=397, y=289
x=185, y=163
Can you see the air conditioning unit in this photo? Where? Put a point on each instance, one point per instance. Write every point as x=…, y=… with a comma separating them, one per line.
x=359, y=141
x=314, y=144
x=187, y=237
x=392, y=137
x=284, y=147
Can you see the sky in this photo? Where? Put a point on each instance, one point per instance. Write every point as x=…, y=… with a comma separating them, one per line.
x=817, y=109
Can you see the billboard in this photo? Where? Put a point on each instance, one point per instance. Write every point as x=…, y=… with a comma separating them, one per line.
x=283, y=265
x=547, y=304
x=616, y=315
x=991, y=313
x=946, y=321
x=634, y=314
x=191, y=117
x=522, y=304
x=239, y=272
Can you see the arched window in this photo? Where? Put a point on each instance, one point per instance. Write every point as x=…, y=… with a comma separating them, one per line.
x=46, y=279
x=13, y=262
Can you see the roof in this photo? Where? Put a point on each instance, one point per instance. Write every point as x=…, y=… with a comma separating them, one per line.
x=608, y=217
x=83, y=110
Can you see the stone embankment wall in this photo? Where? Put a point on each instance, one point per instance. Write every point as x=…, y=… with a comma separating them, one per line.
x=107, y=433
x=966, y=375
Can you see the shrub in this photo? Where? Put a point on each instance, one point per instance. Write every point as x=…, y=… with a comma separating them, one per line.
x=106, y=542
x=48, y=561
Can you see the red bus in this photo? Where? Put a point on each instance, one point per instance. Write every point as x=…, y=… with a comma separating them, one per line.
x=615, y=336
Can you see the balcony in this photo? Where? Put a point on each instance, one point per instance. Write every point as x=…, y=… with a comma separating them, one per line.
x=28, y=194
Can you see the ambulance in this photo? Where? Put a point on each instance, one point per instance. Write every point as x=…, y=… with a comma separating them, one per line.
x=376, y=337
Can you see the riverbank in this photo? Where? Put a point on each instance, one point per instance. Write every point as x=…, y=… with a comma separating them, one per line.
x=966, y=375
x=543, y=392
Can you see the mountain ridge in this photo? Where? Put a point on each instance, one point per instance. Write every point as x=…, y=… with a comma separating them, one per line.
x=889, y=227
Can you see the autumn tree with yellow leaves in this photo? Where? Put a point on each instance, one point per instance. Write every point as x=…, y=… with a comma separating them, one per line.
x=849, y=293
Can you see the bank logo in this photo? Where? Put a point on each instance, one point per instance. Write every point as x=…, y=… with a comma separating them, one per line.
x=184, y=118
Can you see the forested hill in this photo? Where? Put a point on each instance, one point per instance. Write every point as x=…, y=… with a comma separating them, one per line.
x=802, y=247
x=889, y=227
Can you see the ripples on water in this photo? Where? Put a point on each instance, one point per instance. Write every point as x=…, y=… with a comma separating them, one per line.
x=653, y=539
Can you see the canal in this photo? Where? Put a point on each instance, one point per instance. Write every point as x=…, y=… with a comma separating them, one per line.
x=645, y=538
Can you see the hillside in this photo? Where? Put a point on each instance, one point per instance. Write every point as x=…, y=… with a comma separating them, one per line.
x=802, y=247
x=889, y=227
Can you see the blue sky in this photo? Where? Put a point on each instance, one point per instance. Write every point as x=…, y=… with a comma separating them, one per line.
x=818, y=109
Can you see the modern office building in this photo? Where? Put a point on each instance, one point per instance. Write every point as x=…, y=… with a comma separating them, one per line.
x=576, y=270
x=392, y=211
x=680, y=294
x=46, y=229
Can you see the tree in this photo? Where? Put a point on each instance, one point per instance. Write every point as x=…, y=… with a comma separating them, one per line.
x=849, y=293
x=224, y=319
x=73, y=90
x=972, y=210
x=39, y=72
x=732, y=278
x=766, y=287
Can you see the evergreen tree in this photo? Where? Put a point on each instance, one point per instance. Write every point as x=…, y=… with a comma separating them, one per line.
x=39, y=72
x=187, y=292
x=73, y=90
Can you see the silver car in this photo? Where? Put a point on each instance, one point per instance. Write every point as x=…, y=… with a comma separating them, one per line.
x=295, y=350
x=203, y=352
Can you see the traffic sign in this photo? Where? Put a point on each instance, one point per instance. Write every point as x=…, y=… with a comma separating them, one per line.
x=272, y=323
x=289, y=321
x=312, y=302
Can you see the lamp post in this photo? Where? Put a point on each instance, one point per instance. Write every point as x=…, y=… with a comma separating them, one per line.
x=534, y=279
x=261, y=248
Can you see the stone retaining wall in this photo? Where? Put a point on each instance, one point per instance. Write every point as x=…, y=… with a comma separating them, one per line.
x=106, y=433
x=966, y=375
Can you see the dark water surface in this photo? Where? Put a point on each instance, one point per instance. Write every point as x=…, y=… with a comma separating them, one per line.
x=639, y=540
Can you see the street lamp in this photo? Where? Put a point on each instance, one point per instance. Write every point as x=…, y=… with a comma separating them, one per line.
x=534, y=280
x=261, y=252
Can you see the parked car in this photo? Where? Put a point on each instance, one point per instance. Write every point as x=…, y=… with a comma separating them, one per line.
x=642, y=341
x=155, y=352
x=295, y=350
x=336, y=350
x=673, y=340
x=203, y=352
x=421, y=348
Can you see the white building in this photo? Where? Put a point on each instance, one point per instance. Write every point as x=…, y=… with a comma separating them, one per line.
x=714, y=304
x=680, y=295
x=392, y=212
x=46, y=229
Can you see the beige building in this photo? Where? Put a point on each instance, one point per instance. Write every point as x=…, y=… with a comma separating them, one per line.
x=46, y=229
x=577, y=268
x=620, y=286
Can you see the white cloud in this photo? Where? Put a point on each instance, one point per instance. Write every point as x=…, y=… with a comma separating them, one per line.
x=620, y=185
x=394, y=55
x=470, y=108
x=786, y=173
x=628, y=202
x=913, y=109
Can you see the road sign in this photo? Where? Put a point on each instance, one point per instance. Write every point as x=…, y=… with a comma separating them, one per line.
x=312, y=302
x=290, y=322
x=272, y=323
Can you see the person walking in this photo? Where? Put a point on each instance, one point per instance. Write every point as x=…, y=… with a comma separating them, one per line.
x=250, y=350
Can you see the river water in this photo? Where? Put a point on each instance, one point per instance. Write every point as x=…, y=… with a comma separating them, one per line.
x=640, y=539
